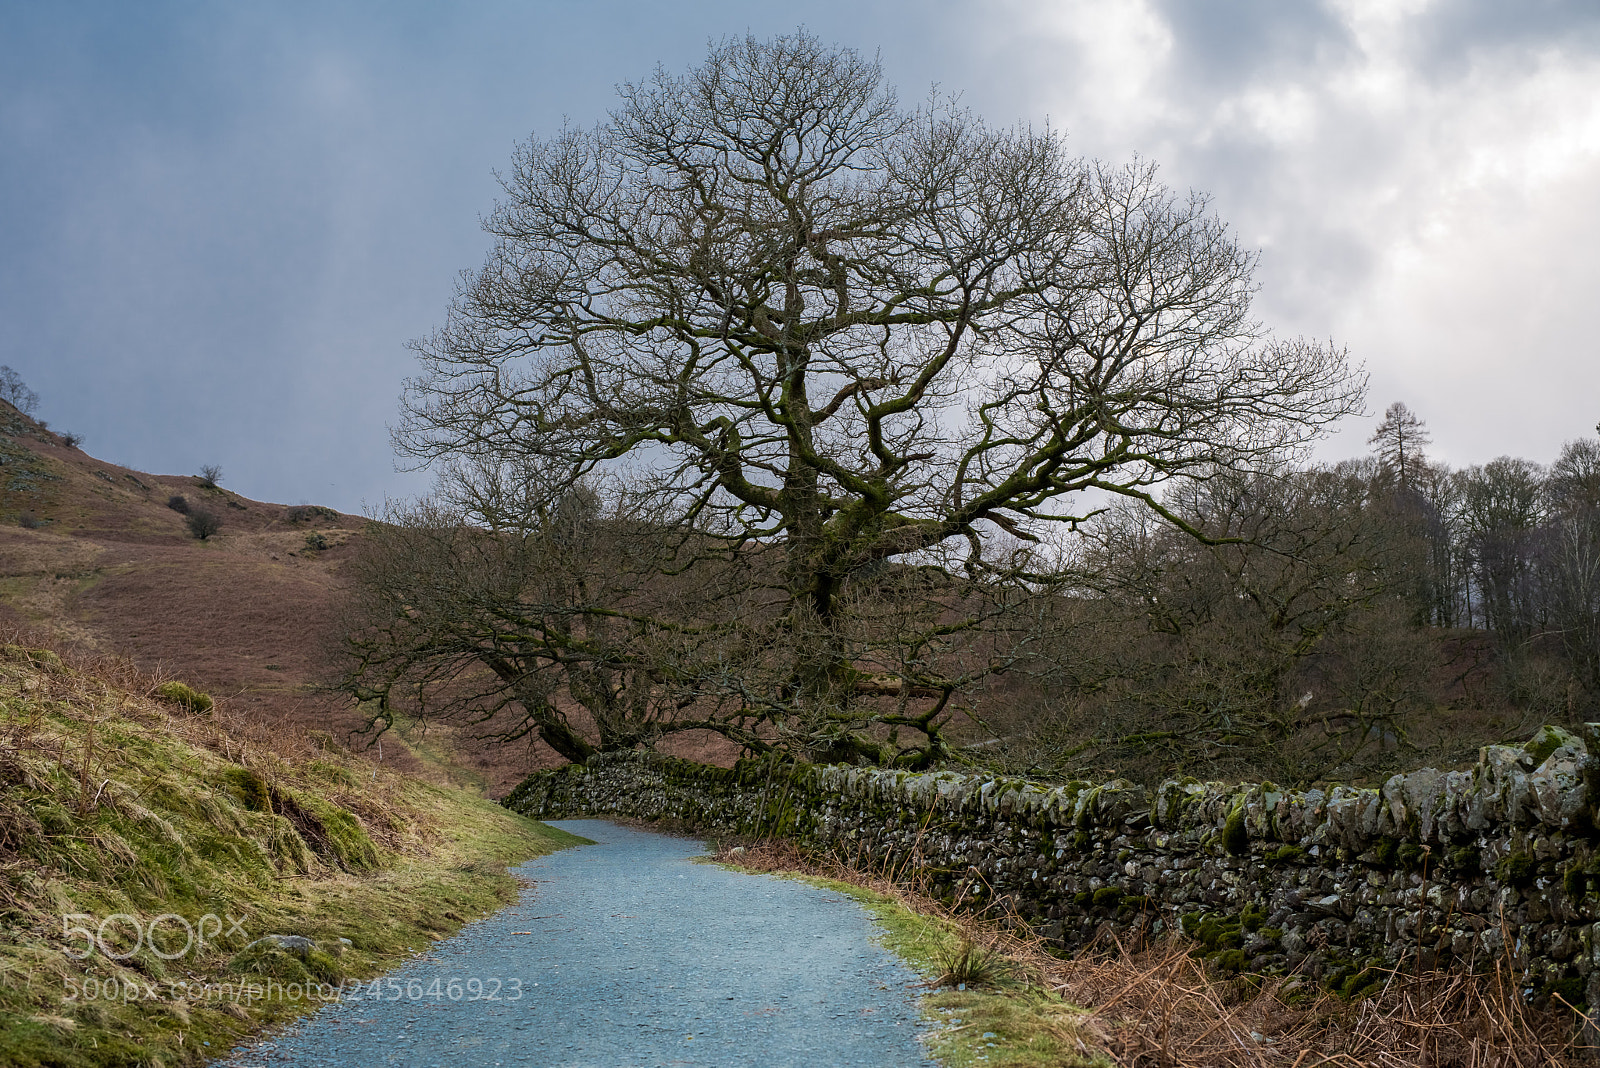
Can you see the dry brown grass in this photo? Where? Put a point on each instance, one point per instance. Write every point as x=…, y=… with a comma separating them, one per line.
x=248, y=616
x=1159, y=1006
x=226, y=730
x=1155, y=1006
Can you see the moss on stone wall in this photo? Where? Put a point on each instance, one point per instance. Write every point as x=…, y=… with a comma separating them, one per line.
x=1330, y=883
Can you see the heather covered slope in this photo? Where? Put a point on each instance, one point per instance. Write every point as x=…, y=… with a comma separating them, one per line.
x=91, y=555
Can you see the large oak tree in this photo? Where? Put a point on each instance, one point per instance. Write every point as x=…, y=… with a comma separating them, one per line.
x=861, y=340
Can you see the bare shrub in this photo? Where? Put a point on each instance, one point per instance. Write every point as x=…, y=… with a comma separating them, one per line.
x=203, y=523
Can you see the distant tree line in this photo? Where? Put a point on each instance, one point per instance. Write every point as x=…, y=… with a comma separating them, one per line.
x=1512, y=547
x=1334, y=621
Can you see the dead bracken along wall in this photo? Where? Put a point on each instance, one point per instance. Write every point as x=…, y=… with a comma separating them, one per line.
x=1499, y=862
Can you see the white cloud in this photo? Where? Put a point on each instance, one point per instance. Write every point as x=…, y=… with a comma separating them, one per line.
x=1426, y=194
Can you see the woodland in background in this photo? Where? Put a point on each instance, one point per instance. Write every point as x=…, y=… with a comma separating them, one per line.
x=1331, y=623
x=1348, y=621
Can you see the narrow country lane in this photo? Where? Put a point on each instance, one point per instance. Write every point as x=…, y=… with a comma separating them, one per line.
x=626, y=953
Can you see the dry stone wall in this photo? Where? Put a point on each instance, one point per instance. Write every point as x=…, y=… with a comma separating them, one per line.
x=1501, y=861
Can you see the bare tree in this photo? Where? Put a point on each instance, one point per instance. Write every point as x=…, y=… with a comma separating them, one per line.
x=16, y=392
x=1572, y=560
x=1272, y=650
x=1574, y=480
x=534, y=617
x=1429, y=497
x=1503, y=509
x=210, y=475
x=1436, y=499
x=809, y=322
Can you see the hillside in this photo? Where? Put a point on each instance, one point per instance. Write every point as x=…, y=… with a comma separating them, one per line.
x=93, y=557
x=146, y=850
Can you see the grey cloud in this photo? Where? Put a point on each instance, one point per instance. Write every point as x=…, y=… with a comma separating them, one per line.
x=219, y=224
x=1224, y=44
x=1446, y=38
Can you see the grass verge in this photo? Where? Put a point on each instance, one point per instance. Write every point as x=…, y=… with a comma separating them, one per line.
x=998, y=1014
x=144, y=847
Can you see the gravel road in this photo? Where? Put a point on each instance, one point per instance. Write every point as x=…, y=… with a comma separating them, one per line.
x=625, y=953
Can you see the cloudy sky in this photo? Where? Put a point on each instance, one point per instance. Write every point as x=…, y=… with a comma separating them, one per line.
x=220, y=223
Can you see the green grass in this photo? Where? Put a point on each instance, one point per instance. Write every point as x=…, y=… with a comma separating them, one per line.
x=123, y=806
x=1011, y=1024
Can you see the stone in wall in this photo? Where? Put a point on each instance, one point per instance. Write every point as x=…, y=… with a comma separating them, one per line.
x=1497, y=862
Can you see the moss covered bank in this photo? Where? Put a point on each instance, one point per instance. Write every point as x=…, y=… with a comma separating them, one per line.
x=148, y=859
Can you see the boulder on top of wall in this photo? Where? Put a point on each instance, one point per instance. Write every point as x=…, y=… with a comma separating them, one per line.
x=1560, y=792
x=1591, y=766
x=921, y=790
x=1120, y=801
x=1109, y=803
x=1220, y=804
x=1424, y=795
x=848, y=780
x=993, y=795
x=1547, y=739
x=1260, y=807
x=1211, y=806
x=1027, y=799
x=1301, y=814
x=1061, y=803
x=1410, y=801
x=1352, y=816
x=952, y=791
x=1175, y=797
x=1454, y=815
x=1276, y=809
x=1055, y=804
x=1502, y=782
x=888, y=785
x=1011, y=797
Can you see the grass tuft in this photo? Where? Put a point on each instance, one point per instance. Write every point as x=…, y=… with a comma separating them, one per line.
x=182, y=694
x=969, y=964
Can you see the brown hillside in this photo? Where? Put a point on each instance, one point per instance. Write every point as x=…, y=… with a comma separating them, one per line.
x=92, y=555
